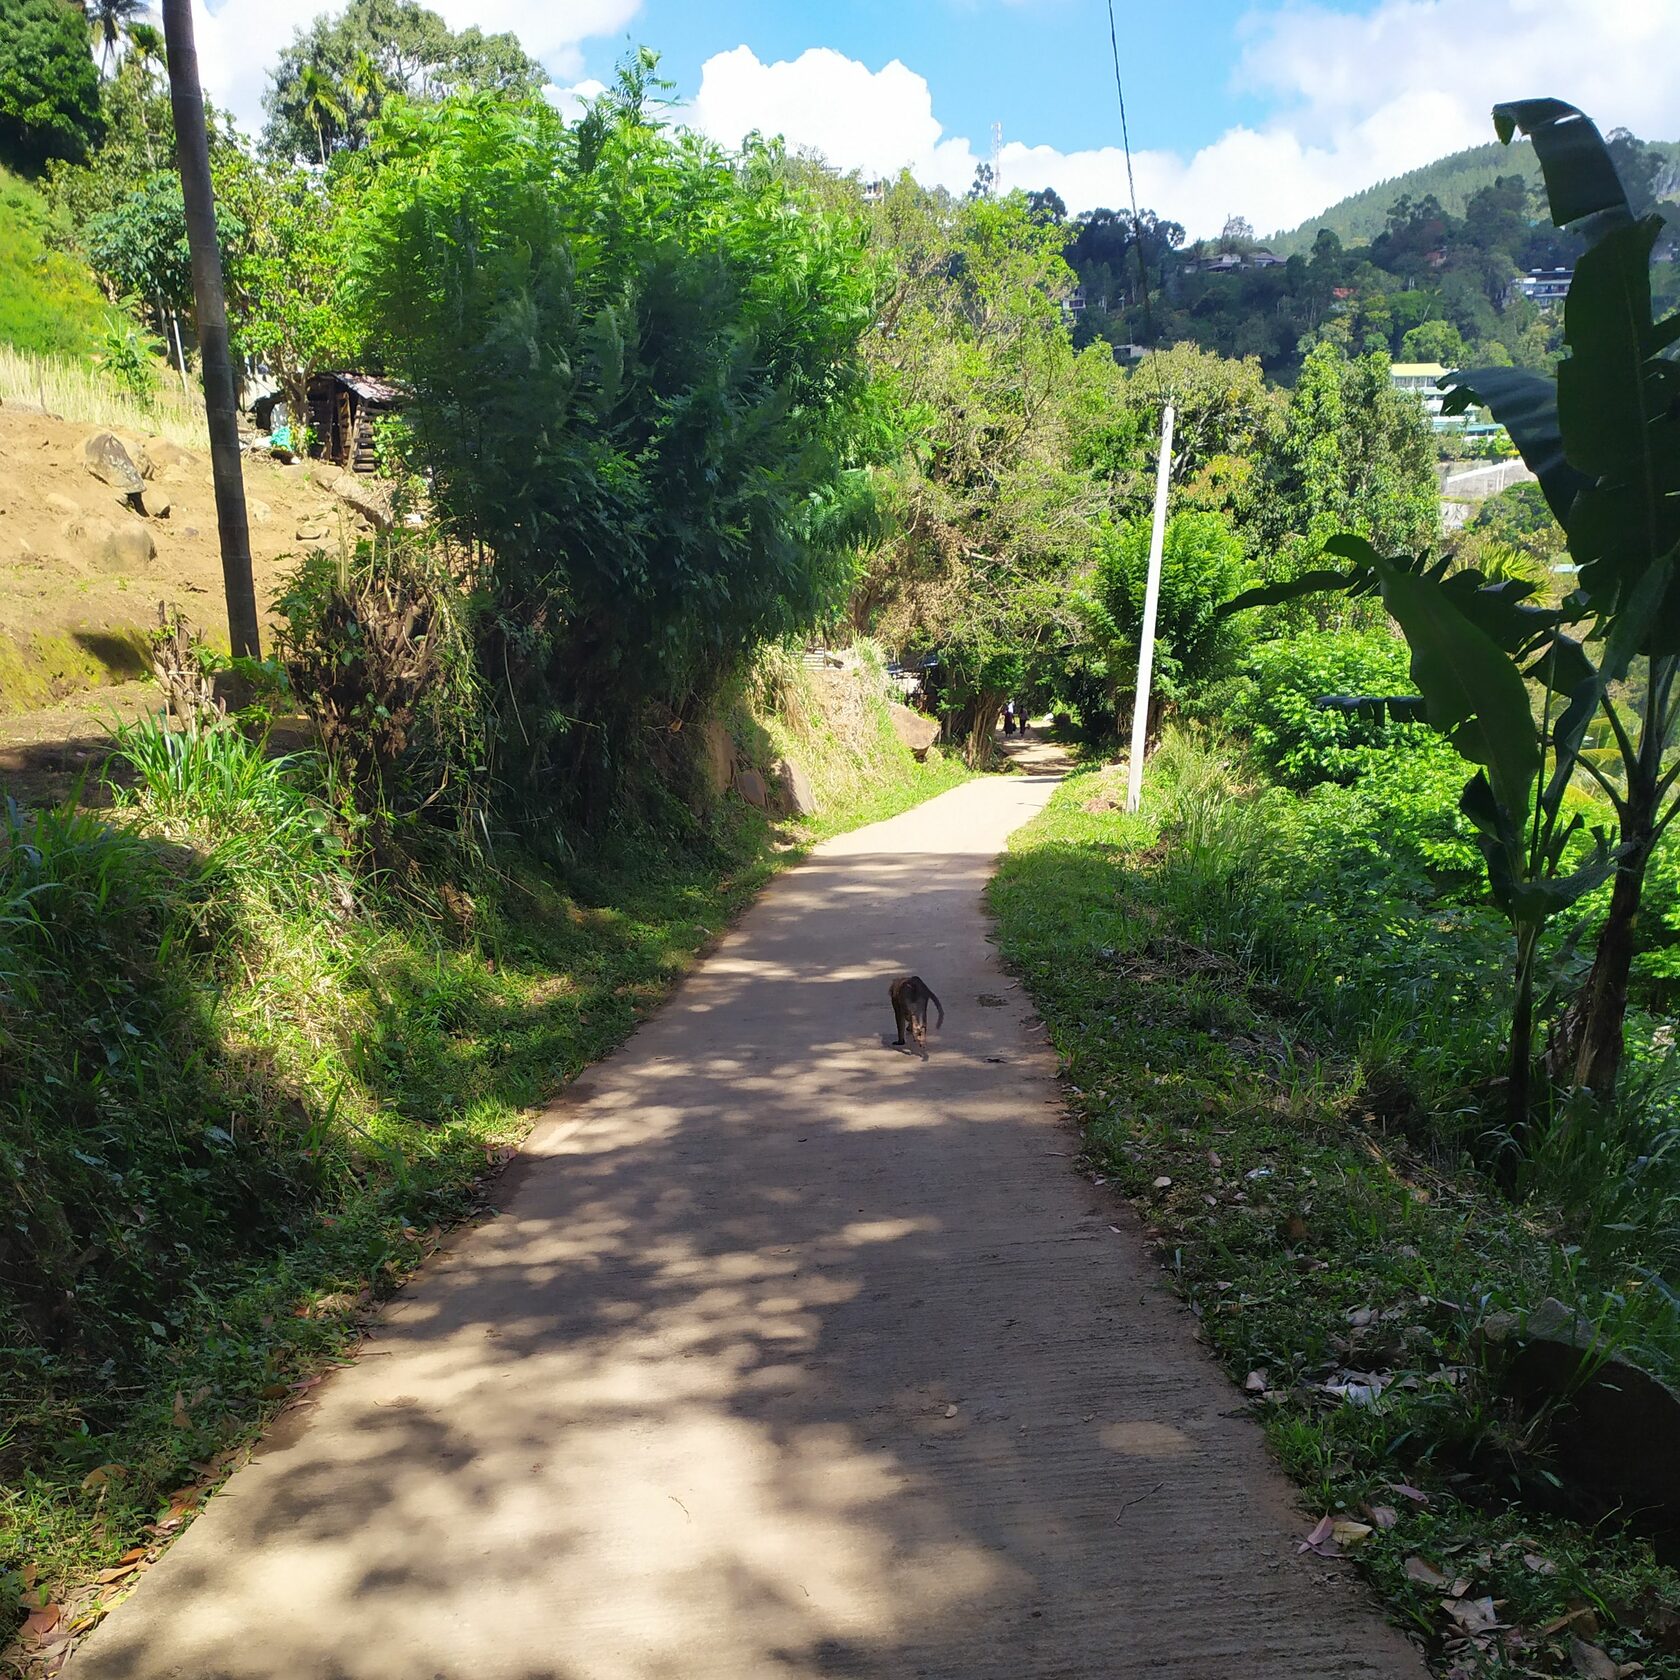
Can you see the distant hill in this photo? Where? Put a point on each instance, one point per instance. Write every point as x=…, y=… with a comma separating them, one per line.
x=49, y=300
x=1358, y=219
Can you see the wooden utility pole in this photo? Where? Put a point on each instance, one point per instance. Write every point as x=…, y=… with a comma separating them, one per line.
x=192, y=142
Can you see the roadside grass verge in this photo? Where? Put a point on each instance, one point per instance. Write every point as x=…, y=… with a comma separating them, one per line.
x=1338, y=1258
x=244, y=1090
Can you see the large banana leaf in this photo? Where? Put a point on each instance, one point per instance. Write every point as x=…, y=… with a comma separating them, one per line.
x=1473, y=693
x=1581, y=179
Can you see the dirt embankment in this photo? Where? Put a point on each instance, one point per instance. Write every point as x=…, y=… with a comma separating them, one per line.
x=82, y=572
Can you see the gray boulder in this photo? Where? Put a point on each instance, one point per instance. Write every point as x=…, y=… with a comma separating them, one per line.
x=793, y=787
x=1615, y=1426
x=109, y=461
x=365, y=498
x=915, y=729
x=718, y=755
x=750, y=785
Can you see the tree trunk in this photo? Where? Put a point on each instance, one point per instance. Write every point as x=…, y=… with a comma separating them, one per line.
x=1587, y=1047
x=187, y=103
x=981, y=721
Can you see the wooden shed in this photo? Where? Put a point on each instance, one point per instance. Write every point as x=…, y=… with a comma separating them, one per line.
x=342, y=410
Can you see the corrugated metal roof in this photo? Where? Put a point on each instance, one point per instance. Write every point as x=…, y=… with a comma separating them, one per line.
x=370, y=389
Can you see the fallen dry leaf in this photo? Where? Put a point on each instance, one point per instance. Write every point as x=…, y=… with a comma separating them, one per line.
x=1349, y=1533
x=1590, y=1661
x=1163, y=1182
x=1539, y=1565
x=106, y=1576
x=1474, y=1615
x=1406, y=1491
x=1322, y=1540
x=40, y=1622
x=184, y=1499
x=181, y=1420
x=103, y=1474
x=1255, y=1382
x=1384, y=1516
x=1424, y=1573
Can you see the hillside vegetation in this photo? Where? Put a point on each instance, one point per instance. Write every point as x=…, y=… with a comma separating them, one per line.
x=1452, y=180
x=672, y=414
x=50, y=303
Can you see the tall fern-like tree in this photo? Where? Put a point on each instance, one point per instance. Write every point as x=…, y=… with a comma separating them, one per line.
x=321, y=105
x=109, y=20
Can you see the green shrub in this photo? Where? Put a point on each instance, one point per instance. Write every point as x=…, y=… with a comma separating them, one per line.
x=378, y=649
x=1303, y=743
x=1202, y=566
x=686, y=326
x=1349, y=901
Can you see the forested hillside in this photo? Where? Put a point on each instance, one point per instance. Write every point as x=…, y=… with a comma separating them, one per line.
x=1451, y=181
x=1424, y=268
x=49, y=301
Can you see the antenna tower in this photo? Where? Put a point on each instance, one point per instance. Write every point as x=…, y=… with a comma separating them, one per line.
x=997, y=159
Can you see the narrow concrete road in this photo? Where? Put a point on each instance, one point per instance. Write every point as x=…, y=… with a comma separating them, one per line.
x=791, y=1356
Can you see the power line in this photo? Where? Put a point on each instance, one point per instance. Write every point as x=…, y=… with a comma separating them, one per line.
x=1131, y=179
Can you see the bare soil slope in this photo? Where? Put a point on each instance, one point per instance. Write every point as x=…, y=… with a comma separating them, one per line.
x=76, y=594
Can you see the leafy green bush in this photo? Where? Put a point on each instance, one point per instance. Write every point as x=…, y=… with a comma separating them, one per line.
x=1302, y=742
x=378, y=648
x=637, y=381
x=1349, y=901
x=49, y=88
x=1202, y=566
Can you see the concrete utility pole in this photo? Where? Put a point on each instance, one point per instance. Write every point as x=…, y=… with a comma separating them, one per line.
x=186, y=101
x=1151, y=605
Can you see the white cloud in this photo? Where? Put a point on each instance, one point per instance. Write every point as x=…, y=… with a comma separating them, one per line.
x=571, y=102
x=878, y=121
x=1359, y=97
x=238, y=40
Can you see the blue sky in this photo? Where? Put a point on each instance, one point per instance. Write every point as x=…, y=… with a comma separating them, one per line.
x=1268, y=109
x=1043, y=70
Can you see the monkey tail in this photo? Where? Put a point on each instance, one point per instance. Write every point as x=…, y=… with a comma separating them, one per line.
x=937, y=1005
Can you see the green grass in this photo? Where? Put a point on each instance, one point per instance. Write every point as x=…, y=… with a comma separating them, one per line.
x=1312, y=1231
x=243, y=1090
x=50, y=303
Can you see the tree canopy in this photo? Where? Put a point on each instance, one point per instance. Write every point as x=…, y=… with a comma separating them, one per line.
x=638, y=387
x=329, y=86
x=49, y=86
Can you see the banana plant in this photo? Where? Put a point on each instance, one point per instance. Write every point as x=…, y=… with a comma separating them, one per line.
x=1475, y=647
x=1603, y=439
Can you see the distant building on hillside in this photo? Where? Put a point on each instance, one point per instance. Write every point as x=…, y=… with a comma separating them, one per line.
x=1417, y=379
x=1546, y=287
x=1231, y=262
x=342, y=410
